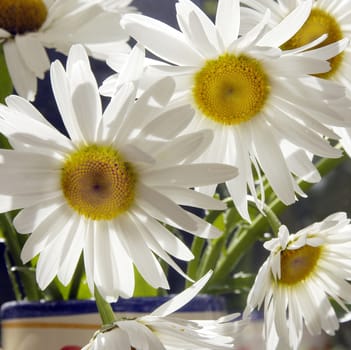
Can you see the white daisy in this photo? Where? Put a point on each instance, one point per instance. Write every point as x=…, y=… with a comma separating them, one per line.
x=163, y=331
x=27, y=27
x=104, y=189
x=264, y=108
x=331, y=17
x=295, y=283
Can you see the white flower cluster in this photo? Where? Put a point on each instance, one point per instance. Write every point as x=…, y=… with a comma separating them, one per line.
x=248, y=100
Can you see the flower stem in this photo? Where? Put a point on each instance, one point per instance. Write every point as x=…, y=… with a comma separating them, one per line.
x=105, y=309
x=27, y=279
x=6, y=87
x=193, y=265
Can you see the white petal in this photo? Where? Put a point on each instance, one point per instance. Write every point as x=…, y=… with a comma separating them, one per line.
x=48, y=230
x=162, y=208
x=166, y=239
x=204, y=229
x=122, y=262
x=184, y=9
x=169, y=124
x=303, y=137
x=147, y=107
x=277, y=173
x=161, y=39
x=134, y=66
x=26, y=131
x=88, y=254
x=288, y=26
x=182, y=298
x=26, y=182
x=184, y=196
x=105, y=277
x=73, y=249
x=62, y=93
x=185, y=148
x=228, y=20
x=10, y=202
x=116, y=112
x=33, y=54
x=191, y=175
x=152, y=244
x=197, y=34
x=87, y=107
x=24, y=81
x=239, y=156
x=144, y=260
x=28, y=219
x=24, y=107
x=51, y=257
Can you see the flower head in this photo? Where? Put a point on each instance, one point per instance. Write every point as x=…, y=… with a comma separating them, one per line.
x=326, y=18
x=302, y=272
x=108, y=188
x=27, y=27
x=267, y=113
x=161, y=330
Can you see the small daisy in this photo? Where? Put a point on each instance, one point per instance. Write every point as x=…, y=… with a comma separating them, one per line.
x=266, y=111
x=27, y=27
x=331, y=17
x=106, y=188
x=295, y=283
x=161, y=330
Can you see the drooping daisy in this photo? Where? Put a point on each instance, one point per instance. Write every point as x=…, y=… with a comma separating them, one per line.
x=27, y=27
x=265, y=109
x=161, y=330
x=105, y=189
x=295, y=283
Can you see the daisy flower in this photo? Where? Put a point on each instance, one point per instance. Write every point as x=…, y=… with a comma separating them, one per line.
x=106, y=189
x=331, y=17
x=295, y=283
x=161, y=330
x=28, y=27
x=266, y=111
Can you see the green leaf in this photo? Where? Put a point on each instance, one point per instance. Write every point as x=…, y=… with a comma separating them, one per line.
x=6, y=87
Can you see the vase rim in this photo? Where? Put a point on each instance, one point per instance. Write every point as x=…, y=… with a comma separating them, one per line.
x=26, y=309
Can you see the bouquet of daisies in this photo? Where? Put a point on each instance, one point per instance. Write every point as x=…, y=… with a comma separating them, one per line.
x=236, y=114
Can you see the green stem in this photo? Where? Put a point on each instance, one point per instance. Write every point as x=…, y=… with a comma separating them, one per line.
x=6, y=87
x=270, y=216
x=28, y=281
x=248, y=236
x=12, y=277
x=193, y=265
x=105, y=309
x=211, y=255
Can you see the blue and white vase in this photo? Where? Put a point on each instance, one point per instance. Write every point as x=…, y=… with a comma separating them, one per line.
x=69, y=325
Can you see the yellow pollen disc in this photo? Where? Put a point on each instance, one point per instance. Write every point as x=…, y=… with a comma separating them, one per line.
x=21, y=16
x=231, y=89
x=318, y=23
x=98, y=183
x=296, y=265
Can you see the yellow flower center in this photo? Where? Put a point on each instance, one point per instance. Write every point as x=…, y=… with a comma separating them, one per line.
x=318, y=23
x=98, y=183
x=296, y=265
x=21, y=16
x=231, y=89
